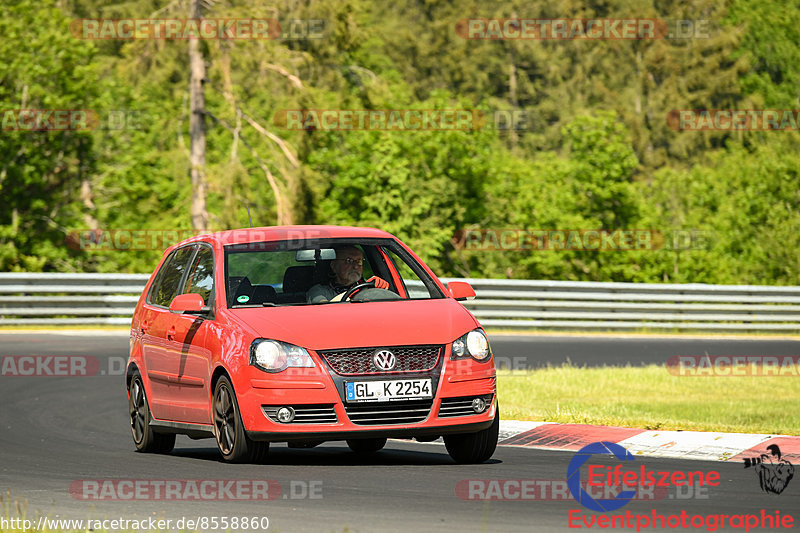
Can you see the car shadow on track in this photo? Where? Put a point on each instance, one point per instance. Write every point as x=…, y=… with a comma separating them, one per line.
x=334, y=455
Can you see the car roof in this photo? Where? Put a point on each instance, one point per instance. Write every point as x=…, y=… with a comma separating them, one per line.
x=282, y=233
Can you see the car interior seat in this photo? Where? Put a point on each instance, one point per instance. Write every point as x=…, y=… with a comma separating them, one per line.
x=296, y=282
x=242, y=288
x=263, y=294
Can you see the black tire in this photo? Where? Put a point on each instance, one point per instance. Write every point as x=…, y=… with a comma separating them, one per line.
x=366, y=446
x=233, y=443
x=145, y=439
x=471, y=448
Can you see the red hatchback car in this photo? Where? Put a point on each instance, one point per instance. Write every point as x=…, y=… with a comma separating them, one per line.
x=272, y=335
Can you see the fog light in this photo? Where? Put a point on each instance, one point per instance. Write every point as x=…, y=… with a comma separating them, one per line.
x=478, y=405
x=286, y=414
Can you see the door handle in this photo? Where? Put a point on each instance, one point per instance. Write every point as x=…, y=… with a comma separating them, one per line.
x=171, y=333
x=143, y=327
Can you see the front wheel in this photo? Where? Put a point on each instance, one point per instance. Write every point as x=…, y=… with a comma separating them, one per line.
x=471, y=448
x=233, y=443
x=145, y=439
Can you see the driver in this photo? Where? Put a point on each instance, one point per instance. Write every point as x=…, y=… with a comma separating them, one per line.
x=346, y=269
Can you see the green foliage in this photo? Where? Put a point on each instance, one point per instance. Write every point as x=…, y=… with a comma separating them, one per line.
x=419, y=185
x=602, y=167
x=595, y=152
x=746, y=200
x=772, y=49
x=41, y=172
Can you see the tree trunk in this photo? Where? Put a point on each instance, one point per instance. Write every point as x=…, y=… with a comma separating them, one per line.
x=512, y=95
x=197, y=128
x=87, y=198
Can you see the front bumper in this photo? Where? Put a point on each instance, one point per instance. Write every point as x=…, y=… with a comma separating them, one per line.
x=317, y=395
x=387, y=432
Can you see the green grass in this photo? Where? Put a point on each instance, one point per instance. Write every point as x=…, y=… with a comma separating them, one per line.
x=651, y=398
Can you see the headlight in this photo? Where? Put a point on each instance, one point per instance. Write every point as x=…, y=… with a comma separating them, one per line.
x=474, y=344
x=276, y=356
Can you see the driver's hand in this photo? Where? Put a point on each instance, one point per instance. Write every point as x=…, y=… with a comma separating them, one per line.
x=379, y=282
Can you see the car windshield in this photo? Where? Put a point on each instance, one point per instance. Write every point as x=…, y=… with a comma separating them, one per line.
x=284, y=273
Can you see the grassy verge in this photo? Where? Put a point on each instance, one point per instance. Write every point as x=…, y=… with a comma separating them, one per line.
x=650, y=397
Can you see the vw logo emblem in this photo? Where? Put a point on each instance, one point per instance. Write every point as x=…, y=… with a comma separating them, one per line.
x=384, y=360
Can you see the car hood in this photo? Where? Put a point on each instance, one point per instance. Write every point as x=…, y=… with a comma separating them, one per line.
x=341, y=325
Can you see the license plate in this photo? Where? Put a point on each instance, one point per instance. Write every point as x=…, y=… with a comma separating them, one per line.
x=381, y=391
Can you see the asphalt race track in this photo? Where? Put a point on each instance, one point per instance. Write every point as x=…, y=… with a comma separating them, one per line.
x=58, y=432
x=520, y=351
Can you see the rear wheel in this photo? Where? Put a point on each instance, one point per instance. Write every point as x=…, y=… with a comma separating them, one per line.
x=232, y=441
x=470, y=448
x=366, y=446
x=145, y=439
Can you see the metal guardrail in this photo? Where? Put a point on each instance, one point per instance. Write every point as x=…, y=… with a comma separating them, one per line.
x=54, y=299
x=69, y=299
x=630, y=306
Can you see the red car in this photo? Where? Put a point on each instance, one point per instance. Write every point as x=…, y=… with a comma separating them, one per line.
x=273, y=335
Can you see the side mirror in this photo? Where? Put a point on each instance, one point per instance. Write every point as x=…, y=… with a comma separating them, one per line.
x=187, y=303
x=461, y=290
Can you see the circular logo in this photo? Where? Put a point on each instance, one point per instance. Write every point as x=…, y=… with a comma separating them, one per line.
x=574, y=476
x=243, y=299
x=384, y=360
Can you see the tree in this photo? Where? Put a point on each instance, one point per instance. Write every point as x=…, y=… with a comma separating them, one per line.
x=197, y=125
x=42, y=173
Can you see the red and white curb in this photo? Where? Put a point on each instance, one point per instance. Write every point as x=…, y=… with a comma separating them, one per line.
x=705, y=446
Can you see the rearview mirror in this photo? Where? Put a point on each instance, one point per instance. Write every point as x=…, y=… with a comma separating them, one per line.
x=325, y=254
x=187, y=303
x=461, y=290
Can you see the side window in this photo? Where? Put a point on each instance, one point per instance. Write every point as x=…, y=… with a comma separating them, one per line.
x=201, y=274
x=170, y=278
x=366, y=270
x=414, y=285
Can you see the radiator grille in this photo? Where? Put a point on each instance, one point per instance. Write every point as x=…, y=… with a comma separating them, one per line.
x=305, y=414
x=380, y=413
x=461, y=406
x=359, y=361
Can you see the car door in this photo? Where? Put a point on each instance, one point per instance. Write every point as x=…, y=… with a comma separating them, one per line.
x=156, y=322
x=187, y=351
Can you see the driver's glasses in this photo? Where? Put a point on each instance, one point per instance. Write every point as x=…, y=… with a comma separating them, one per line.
x=349, y=261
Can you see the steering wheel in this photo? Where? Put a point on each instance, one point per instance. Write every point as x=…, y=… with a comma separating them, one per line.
x=349, y=294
